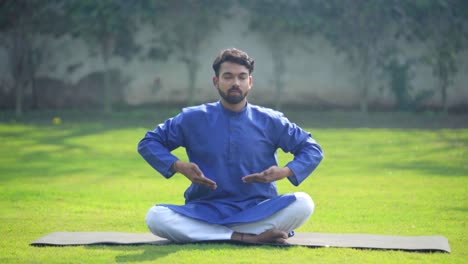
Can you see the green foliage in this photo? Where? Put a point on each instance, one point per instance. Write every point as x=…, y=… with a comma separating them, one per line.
x=98, y=20
x=31, y=15
x=191, y=23
x=355, y=26
x=107, y=26
x=400, y=76
x=278, y=23
x=181, y=28
x=275, y=17
x=20, y=24
x=442, y=26
x=365, y=31
x=153, y=13
x=87, y=176
x=360, y=29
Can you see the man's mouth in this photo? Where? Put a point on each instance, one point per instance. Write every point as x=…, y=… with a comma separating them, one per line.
x=235, y=90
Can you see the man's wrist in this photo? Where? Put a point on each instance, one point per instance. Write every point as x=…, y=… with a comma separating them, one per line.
x=288, y=172
x=174, y=166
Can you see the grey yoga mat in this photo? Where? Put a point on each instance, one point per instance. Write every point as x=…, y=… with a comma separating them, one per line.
x=362, y=241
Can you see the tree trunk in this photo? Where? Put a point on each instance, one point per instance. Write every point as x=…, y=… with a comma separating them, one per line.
x=443, y=91
x=34, y=94
x=364, y=86
x=18, y=99
x=443, y=74
x=17, y=68
x=33, y=64
x=192, y=78
x=107, y=100
x=278, y=69
x=278, y=52
x=364, y=105
x=365, y=81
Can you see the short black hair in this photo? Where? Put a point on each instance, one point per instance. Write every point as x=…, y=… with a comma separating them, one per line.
x=233, y=55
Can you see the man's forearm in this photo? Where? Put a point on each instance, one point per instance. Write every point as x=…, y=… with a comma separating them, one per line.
x=158, y=156
x=287, y=172
x=174, y=166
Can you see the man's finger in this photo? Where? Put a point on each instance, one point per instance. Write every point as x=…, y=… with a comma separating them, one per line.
x=268, y=171
x=207, y=182
x=197, y=171
x=251, y=177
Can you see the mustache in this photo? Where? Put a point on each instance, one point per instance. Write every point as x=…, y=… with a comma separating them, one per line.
x=232, y=89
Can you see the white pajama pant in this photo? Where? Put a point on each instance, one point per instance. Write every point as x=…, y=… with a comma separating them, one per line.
x=166, y=223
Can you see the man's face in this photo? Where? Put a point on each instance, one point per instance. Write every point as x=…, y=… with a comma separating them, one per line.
x=234, y=82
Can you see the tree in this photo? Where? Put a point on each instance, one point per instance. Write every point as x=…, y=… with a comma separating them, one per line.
x=21, y=21
x=442, y=26
x=153, y=13
x=280, y=23
x=362, y=30
x=108, y=26
x=399, y=73
x=192, y=22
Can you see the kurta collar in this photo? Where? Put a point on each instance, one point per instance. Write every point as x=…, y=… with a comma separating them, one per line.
x=233, y=113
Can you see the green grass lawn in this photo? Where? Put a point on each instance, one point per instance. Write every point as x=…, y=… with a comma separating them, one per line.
x=87, y=176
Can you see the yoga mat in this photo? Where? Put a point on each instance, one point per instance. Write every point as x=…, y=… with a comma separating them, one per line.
x=362, y=241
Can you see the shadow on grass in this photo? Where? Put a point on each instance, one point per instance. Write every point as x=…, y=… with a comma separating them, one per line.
x=187, y=252
x=46, y=150
x=150, y=253
x=401, y=120
x=51, y=151
x=305, y=118
x=142, y=253
x=428, y=168
x=42, y=151
x=434, y=167
x=460, y=209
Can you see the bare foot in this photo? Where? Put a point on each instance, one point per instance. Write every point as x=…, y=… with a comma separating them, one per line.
x=274, y=236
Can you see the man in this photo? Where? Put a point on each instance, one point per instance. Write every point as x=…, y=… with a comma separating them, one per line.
x=231, y=145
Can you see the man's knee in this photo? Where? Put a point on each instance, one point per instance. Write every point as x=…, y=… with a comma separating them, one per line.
x=304, y=204
x=155, y=219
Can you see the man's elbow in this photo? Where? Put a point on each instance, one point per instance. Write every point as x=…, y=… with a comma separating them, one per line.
x=142, y=145
x=319, y=153
x=315, y=151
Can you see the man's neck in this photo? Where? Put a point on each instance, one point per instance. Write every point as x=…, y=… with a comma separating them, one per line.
x=234, y=107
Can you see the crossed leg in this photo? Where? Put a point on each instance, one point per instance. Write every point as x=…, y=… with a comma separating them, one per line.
x=166, y=223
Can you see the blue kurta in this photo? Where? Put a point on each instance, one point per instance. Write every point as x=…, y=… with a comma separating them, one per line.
x=226, y=146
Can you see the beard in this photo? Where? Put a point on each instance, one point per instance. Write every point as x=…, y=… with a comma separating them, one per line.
x=232, y=98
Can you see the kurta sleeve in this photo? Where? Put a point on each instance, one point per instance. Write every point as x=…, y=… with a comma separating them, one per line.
x=307, y=153
x=157, y=145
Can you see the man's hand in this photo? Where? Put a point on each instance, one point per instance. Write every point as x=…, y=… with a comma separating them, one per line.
x=193, y=173
x=271, y=174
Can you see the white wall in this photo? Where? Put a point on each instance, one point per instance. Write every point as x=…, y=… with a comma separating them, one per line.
x=320, y=77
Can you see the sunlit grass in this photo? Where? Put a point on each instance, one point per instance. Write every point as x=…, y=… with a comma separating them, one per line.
x=88, y=177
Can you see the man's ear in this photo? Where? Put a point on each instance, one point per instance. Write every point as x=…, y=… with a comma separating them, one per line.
x=215, y=81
